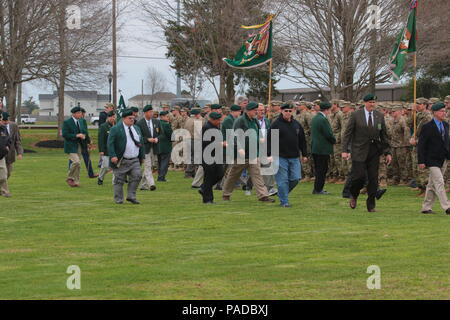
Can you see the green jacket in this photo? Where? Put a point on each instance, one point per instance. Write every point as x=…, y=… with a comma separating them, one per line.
x=165, y=138
x=245, y=123
x=322, y=136
x=117, y=142
x=147, y=134
x=69, y=133
x=103, y=133
x=227, y=124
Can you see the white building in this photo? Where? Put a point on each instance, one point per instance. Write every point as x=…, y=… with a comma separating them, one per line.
x=91, y=101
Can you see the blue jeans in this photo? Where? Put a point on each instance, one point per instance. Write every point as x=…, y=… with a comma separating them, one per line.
x=288, y=176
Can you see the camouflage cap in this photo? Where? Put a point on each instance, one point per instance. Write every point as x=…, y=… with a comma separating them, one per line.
x=396, y=107
x=434, y=100
x=447, y=99
x=176, y=108
x=335, y=101
x=317, y=102
x=276, y=103
x=422, y=101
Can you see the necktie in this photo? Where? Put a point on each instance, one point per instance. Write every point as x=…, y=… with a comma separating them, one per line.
x=78, y=126
x=442, y=130
x=370, y=120
x=132, y=138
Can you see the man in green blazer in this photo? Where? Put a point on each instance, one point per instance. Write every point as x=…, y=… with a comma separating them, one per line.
x=164, y=146
x=322, y=146
x=126, y=152
x=75, y=134
x=103, y=134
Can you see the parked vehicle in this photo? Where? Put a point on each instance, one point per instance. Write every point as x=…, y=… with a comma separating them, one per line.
x=95, y=121
x=27, y=119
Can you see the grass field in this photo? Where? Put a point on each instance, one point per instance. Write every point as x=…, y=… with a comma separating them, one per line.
x=173, y=247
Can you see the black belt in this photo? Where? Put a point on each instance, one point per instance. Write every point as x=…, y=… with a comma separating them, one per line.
x=129, y=159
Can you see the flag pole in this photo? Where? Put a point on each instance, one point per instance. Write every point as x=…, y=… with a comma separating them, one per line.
x=270, y=83
x=415, y=95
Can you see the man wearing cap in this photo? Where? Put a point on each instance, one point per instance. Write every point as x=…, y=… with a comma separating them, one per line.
x=86, y=148
x=305, y=119
x=150, y=129
x=275, y=110
x=16, y=143
x=323, y=140
x=227, y=133
x=423, y=116
x=433, y=152
x=75, y=134
x=164, y=146
x=292, y=148
x=336, y=123
x=104, y=114
x=5, y=145
x=364, y=141
x=247, y=130
x=103, y=134
x=212, y=162
x=193, y=125
x=399, y=135
x=126, y=152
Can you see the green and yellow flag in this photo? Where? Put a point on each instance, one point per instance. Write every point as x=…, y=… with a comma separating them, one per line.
x=122, y=106
x=406, y=43
x=257, y=49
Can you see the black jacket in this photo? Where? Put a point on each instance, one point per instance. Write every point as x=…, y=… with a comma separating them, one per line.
x=212, y=140
x=292, y=138
x=432, y=149
x=5, y=142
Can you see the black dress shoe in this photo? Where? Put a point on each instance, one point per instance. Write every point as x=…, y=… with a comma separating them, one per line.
x=380, y=193
x=152, y=188
x=100, y=182
x=195, y=187
x=119, y=202
x=447, y=211
x=323, y=193
x=267, y=199
x=429, y=212
x=353, y=203
x=200, y=191
x=133, y=201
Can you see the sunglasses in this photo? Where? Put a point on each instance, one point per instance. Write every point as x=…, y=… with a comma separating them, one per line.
x=289, y=111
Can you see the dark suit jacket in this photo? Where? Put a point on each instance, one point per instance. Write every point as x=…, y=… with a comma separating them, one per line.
x=322, y=136
x=432, y=150
x=117, y=142
x=70, y=131
x=147, y=134
x=358, y=136
x=16, y=143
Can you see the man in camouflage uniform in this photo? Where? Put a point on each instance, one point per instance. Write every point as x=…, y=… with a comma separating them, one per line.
x=347, y=110
x=399, y=135
x=305, y=118
x=177, y=123
x=407, y=115
x=423, y=116
x=336, y=122
x=275, y=110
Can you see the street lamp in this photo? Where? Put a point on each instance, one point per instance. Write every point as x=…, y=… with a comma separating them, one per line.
x=110, y=79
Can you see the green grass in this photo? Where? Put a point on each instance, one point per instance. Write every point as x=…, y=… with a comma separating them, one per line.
x=173, y=247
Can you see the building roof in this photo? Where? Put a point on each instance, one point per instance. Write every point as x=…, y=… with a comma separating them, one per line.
x=157, y=96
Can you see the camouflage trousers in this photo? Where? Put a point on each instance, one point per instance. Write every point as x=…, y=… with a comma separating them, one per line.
x=336, y=163
x=409, y=163
x=420, y=175
x=399, y=165
x=383, y=171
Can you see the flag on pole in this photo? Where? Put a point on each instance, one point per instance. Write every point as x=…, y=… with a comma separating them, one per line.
x=406, y=43
x=121, y=107
x=257, y=49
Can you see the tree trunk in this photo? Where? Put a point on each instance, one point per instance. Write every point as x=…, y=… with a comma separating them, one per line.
x=11, y=97
x=222, y=92
x=230, y=89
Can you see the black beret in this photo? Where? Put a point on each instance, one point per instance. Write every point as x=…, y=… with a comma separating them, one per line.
x=111, y=114
x=286, y=106
x=5, y=116
x=370, y=97
x=325, y=105
x=148, y=108
x=127, y=113
x=438, y=106
x=164, y=113
x=75, y=110
x=134, y=109
x=215, y=115
x=235, y=107
x=252, y=106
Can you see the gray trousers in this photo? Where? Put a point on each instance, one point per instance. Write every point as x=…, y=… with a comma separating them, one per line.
x=132, y=170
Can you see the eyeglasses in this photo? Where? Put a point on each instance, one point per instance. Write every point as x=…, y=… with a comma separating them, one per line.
x=289, y=111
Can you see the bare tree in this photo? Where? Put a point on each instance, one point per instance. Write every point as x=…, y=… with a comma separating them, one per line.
x=156, y=82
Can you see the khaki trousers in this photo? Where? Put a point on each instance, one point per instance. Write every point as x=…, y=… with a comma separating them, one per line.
x=75, y=167
x=147, y=176
x=436, y=188
x=3, y=177
x=255, y=174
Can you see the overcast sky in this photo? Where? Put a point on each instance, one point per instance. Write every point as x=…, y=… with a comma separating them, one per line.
x=137, y=39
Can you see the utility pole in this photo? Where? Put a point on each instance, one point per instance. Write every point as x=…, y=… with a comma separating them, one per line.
x=179, y=23
x=114, y=48
x=142, y=94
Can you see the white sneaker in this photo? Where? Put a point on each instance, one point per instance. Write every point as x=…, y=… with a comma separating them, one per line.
x=248, y=193
x=273, y=192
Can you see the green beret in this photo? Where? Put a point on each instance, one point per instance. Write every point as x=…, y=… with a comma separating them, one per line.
x=195, y=111
x=134, y=109
x=235, y=107
x=75, y=110
x=216, y=107
x=252, y=106
x=370, y=97
x=5, y=116
x=164, y=113
x=127, y=113
x=215, y=115
x=286, y=106
x=83, y=110
x=111, y=114
x=437, y=106
x=148, y=108
x=325, y=105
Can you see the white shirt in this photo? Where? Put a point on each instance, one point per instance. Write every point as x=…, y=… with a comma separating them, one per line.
x=131, y=150
x=367, y=117
x=150, y=126
x=7, y=128
x=77, y=123
x=262, y=124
